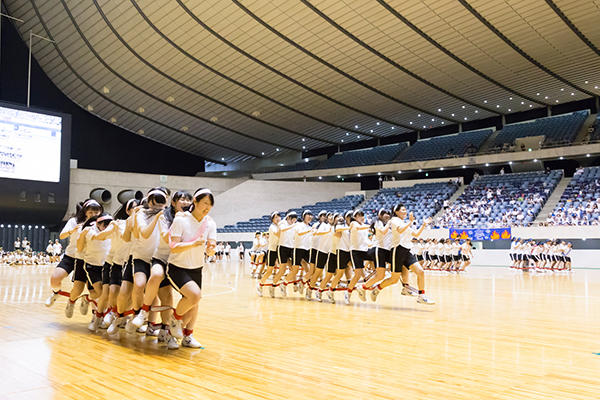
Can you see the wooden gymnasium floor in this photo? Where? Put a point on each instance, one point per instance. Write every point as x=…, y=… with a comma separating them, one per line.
x=494, y=334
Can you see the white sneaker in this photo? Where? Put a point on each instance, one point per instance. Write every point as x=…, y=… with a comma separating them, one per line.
x=109, y=318
x=50, y=300
x=272, y=291
x=114, y=326
x=140, y=319
x=318, y=295
x=374, y=294
x=176, y=328
x=406, y=291
x=103, y=325
x=301, y=287
x=189, y=341
x=129, y=327
x=308, y=295
x=172, y=343
x=152, y=330
x=259, y=289
x=163, y=336
x=84, y=305
x=93, y=326
x=424, y=300
x=347, y=295
x=283, y=288
x=69, y=309
x=331, y=296
x=362, y=295
x=141, y=329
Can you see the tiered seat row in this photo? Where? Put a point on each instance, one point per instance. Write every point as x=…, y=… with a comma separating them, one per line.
x=580, y=202
x=501, y=200
x=456, y=145
x=262, y=224
x=423, y=200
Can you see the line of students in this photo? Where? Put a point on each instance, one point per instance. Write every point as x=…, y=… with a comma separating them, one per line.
x=130, y=262
x=443, y=254
x=552, y=255
x=338, y=246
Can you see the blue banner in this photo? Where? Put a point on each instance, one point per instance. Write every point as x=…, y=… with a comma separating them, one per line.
x=480, y=234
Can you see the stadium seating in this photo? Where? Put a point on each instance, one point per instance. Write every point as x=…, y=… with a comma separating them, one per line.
x=375, y=155
x=501, y=200
x=595, y=135
x=579, y=203
x=424, y=200
x=262, y=223
x=560, y=129
x=446, y=146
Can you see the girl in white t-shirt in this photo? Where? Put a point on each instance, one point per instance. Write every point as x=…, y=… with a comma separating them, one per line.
x=192, y=236
x=271, y=258
x=85, y=210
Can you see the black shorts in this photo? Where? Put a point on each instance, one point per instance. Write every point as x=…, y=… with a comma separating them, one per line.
x=141, y=266
x=284, y=254
x=519, y=257
x=93, y=273
x=456, y=257
x=67, y=263
x=512, y=256
x=165, y=281
x=271, y=258
x=343, y=258
x=79, y=274
x=116, y=274
x=358, y=258
x=106, y=274
x=178, y=277
x=332, y=263
x=322, y=259
x=128, y=271
x=402, y=257
x=535, y=258
x=567, y=259
x=299, y=255
x=382, y=257
x=419, y=257
x=313, y=256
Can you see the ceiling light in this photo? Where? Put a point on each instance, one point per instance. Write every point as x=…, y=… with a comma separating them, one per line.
x=595, y=87
x=424, y=127
x=546, y=97
x=432, y=119
x=184, y=128
x=141, y=110
x=452, y=114
x=586, y=82
x=141, y=131
x=113, y=120
x=222, y=158
x=170, y=99
x=487, y=164
x=535, y=160
x=358, y=175
x=439, y=110
x=561, y=158
x=497, y=105
x=509, y=109
x=410, y=122
x=463, y=107
x=379, y=173
x=377, y=123
x=465, y=118
x=105, y=90
x=443, y=122
x=281, y=165
x=306, y=160
x=420, y=170
x=393, y=128
x=556, y=101
x=371, y=131
x=355, y=126
x=358, y=136
x=485, y=101
x=399, y=172
x=347, y=133
x=320, y=177
x=262, y=152
x=510, y=98
x=464, y=166
x=476, y=111
x=572, y=94
x=537, y=94
x=303, y=147
x=339, y=176
x=587, y=155
x=214, y=118
x=531, y=105
x=342, y=140
x=304, y=140
x=562, y=90
x=277, y=149
x=418, y=115
x=90, y=107
x=441, y=168
x=510, y=163
x=256, y=113
x=522, y=102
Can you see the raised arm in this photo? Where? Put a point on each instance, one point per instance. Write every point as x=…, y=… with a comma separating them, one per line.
x=81, y=240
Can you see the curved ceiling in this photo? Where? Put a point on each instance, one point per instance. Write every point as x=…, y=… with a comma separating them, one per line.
x=240, y=79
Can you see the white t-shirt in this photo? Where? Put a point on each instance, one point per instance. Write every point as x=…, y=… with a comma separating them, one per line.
x=403, y=239
x=325, y=239
x=384, y=240
x=57, y=248
x=188, y=228
x=50, y=249
x=344, y=241
x=71, y=249
x=162, y=250
x=286, y=236
x=302, y=236
x=95, y=251
x=273, y=237
x=119, y=247
x=143, y=249
x=227, y=248
x=359, y=236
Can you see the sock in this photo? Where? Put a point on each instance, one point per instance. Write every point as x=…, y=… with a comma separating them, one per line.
x=379, y=287
x=146, y=307
x=421, y=292
x=177, y=316
x=163, y=326
x=405, y=284
x=187, y=332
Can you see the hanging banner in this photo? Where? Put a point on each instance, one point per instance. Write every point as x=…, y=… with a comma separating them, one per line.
x=480, y=234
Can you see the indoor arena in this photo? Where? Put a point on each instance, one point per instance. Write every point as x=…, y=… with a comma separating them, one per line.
x=370, y=199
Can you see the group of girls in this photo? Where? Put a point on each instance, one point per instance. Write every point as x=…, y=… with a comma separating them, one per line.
x=132, y=261
x=551, y=255
x=339, y=246
x=443, y=254
x=257, y=253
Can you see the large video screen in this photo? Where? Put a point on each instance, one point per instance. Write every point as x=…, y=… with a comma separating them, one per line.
x=30, y=145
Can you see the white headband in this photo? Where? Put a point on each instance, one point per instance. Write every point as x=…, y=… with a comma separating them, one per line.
x=90, y=202
x=202, y=191
x=156, y=192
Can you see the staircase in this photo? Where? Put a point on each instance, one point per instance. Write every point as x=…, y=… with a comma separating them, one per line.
x=553, y=200
x=583, y=135
x=368, y=195
x=452, y=199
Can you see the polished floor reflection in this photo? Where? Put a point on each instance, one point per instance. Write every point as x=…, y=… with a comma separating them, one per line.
x=494, y=333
